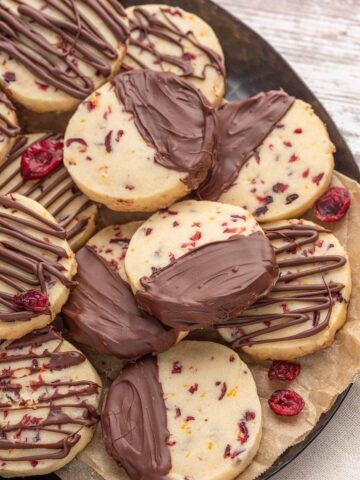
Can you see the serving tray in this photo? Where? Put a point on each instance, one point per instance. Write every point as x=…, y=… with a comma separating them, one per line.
x=253, y=65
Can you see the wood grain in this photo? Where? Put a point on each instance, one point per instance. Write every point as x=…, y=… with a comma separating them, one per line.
x=321, y=41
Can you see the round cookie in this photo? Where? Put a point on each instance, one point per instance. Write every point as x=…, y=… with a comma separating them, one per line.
x=198, y=263
x=192, y=412
x=141, y=142
x=275, y=157
x=101, y=311
x=112, y=242
x=309, y=302
x=36, y=266
x=49, y=401
x=170, y=39
x=65, y=51
x=55, y=191
x=9, y=127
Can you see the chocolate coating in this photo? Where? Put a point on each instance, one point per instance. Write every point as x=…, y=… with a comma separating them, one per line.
x=241, y=127
x=76, y=34
x=102, y=313
x=173, y=117
x=134, y=423
x=210, y=284
x=315, y=297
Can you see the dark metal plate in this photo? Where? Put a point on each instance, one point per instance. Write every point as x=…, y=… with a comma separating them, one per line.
x=253, y=65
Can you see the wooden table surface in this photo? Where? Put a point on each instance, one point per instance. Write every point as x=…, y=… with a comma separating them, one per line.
x=321, y=40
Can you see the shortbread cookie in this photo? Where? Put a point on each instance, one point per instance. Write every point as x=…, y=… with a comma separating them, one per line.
x=36, y=266
x=9, y=127
x=198, y=263
x=141, y=142
x=309, y=302
x=35, y=169
x=190, y=413
x=101, y=311
x=49, y=399
x=275, y=157
x=112, y=242
x=54, y=56
x=168, y=39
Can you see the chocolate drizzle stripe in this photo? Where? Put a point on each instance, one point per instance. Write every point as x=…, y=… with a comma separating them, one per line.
x=144, y=26
x=134, y=422
x=55, y=188
x=21, y=38
x=101, y=312
x=172, y=117
x=7, y=127
x=24, y=268
x=40, y=414
x=314, y=297
x=213, y=283
x=241, y=127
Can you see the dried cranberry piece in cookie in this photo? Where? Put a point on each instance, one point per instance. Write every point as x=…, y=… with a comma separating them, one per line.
x=42, y=158
x=286, y=403
x=333, y=205
x=32, y=300
x=281, y=370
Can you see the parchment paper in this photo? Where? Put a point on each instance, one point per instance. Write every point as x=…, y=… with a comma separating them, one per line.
x=323, y=377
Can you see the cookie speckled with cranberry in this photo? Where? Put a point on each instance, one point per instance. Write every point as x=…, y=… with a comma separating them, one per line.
x=288, y=171
x=203, y=416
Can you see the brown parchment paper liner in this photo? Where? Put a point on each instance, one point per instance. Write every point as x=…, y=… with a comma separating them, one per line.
x=323, y=377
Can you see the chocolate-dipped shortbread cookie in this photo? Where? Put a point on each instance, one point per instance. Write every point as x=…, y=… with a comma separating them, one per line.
x=274, y=157
x=309, y=302
x=9, y=128
x=101, y=311
x=198, y=263
x=53, y=54
x=35, y=169
x=48, y=403
x=168, y=39
x=140, y=142
x=190, y=413
x=36, y=266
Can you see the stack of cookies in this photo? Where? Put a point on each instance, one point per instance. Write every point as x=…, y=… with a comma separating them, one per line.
x=222, y=187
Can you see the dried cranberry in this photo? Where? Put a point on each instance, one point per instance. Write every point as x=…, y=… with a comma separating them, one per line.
x=108, y=146
x=260, y=211
x=193, y=388
x=291, y=198
x=32, y=300
x=317, y=179
x=286, y=403
x=280, y=187
x=333, y=205
x=227, y=452
x=281, y=370
x=41, y=158
x=243, y=434
x=249, y=415
x=176, y=367
x=189, y=56
x=196, y=236
x=9, y=77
